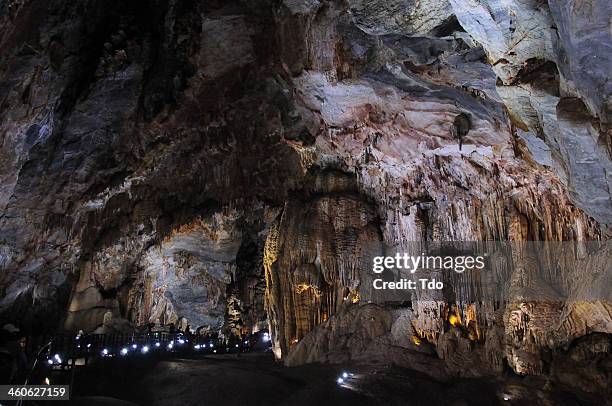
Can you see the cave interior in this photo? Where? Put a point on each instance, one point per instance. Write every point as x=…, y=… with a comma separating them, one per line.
x=225, y=172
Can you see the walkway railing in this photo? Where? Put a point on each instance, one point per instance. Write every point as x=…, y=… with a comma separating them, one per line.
x=65, y=352
x=65, y=349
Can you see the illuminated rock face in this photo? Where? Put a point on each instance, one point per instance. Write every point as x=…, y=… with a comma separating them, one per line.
x=313, y=255
x=546, y=57
x=237, y=162
x=188, y=274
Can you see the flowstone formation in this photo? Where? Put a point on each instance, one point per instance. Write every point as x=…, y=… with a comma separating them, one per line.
x=237, y=164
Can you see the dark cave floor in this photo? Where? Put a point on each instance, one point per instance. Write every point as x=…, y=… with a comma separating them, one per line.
x=255, y=379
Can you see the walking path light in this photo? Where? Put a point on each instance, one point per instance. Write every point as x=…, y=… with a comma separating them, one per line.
x=343, y=377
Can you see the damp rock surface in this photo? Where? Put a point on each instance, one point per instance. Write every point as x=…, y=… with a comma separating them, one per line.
x=212, y=380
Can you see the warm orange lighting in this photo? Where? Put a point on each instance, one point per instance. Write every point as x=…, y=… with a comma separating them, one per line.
x=303, y=287
x=416, y=340
x=454, y=320
x=471, y=322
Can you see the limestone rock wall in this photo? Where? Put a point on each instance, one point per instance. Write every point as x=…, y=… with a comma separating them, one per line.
x=128, y=113
x=539, y=61
x=313, y=255
x=389, y=127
